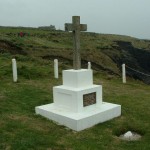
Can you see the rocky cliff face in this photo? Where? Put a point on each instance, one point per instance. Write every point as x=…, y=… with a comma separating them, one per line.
x=137, y=60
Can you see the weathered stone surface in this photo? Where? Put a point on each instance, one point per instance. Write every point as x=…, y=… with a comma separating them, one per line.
x=76, y=27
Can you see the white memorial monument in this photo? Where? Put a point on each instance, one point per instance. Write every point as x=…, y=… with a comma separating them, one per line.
x=78, y=102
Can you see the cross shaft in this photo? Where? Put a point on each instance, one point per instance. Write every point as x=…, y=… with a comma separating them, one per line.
x=76, y=27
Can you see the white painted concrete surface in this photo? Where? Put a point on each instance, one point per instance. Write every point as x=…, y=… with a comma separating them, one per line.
x=82, y=120
x=78, y=78
x=72, y=98
x=68, y=108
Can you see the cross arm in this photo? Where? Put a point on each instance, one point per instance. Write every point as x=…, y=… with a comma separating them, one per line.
x=83, y=27
x=70, y=27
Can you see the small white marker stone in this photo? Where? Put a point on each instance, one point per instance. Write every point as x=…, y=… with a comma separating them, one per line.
x=123, y=73
x=14, y=69
x=89, y=65
x=56, y=68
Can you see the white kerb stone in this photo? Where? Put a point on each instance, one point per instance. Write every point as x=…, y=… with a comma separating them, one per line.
x=56, y=74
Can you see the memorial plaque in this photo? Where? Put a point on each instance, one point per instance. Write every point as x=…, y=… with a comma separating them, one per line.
x=89, y=99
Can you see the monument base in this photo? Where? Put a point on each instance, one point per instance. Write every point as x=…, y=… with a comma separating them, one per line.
x=82, y=120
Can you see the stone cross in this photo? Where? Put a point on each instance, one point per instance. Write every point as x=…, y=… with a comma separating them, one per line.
x=76, y=27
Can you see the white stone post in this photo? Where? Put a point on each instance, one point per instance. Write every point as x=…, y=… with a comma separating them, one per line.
x=14, y=69
x=56, y=75
x=89, y=65
x=123, y=73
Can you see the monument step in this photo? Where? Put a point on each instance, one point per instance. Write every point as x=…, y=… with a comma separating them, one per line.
x=82, y=120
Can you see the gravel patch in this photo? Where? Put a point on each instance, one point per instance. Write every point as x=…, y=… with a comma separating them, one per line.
x=130, y=136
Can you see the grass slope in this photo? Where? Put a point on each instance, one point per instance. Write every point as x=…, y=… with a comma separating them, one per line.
x=106, y=52
x=21, y=129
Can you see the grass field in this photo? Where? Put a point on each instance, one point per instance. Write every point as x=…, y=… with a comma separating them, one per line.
x=22, y=129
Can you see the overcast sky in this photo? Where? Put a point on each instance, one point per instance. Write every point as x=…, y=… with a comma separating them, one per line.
x=125, y=17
